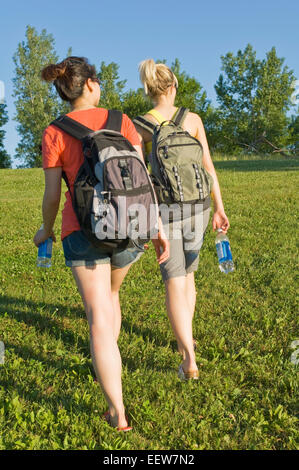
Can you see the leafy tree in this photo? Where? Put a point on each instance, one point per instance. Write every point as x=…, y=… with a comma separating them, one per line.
x=36, y=102
x=113, y=95
x=135, y=103
x=190, y=93
x=5, y=161
x=254, y=97
x=111, y=86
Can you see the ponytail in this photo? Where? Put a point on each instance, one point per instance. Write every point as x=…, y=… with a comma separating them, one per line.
x=156, y=78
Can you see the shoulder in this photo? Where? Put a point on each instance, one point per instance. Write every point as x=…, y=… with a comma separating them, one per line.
x=148, y=117
x=53, y=140
x=129, y=131
x=126, y=117
x=194, y=125
x=194, y=118
x=126, y=121
x=53, y=133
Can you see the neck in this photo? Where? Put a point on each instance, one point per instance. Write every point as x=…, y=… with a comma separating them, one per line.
x=81, y=104
x=164, y=102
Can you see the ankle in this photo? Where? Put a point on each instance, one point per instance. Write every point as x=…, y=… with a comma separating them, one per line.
x=117, y=412
x=189, y=365
x=119, y=420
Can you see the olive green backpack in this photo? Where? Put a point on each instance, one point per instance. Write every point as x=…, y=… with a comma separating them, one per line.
x=177, y=171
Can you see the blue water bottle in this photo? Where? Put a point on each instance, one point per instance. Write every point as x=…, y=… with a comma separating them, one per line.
x=224, y=253
x=44, y=254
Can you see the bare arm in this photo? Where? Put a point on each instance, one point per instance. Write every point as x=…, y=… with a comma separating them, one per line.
x=220, y=219
x=50, y=205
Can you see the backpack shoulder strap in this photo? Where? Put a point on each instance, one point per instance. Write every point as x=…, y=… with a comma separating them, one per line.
x=145, y=124
x=72, y=127
x=157, y=115
x=180, y=116
x=114, y=120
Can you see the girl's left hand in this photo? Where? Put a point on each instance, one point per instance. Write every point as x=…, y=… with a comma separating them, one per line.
x=220, y=220
x=41, y=236
x=162, y=248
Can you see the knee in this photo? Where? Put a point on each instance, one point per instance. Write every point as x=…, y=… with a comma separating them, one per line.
x=100, y=319
x=100, y=329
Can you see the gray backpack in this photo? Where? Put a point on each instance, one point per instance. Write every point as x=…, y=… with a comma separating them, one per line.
x=177, y=171
x=113, y=195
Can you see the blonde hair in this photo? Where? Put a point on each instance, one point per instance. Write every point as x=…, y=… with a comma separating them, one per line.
x=156, y=78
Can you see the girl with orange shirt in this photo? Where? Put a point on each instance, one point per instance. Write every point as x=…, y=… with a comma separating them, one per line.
x=98, y=275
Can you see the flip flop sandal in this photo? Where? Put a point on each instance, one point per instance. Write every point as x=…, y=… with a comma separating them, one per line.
x=107, y=418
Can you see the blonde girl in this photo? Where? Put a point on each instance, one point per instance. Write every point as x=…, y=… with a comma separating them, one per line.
x=161, y=85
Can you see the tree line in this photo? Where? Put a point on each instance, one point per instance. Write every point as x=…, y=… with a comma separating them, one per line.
x=256, y=111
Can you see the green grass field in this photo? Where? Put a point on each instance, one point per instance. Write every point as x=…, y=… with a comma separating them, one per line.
x=245, y=323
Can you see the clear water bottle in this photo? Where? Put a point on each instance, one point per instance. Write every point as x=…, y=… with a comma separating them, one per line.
x=44, y=254
x=224, y=253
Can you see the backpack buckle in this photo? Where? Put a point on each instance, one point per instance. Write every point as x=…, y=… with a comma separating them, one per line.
x=108, y=197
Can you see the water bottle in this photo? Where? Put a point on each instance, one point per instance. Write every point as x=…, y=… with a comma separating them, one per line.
x=224, y=253
x=44, y=254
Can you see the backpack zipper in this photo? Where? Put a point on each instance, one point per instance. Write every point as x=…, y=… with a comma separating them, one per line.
x=175, y=145
x=134, y=190
x=175, y=134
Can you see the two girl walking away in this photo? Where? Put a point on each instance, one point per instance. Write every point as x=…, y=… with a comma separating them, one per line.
x=99, y=273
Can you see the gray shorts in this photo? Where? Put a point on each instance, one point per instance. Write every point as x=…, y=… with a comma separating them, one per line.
x=185, y=238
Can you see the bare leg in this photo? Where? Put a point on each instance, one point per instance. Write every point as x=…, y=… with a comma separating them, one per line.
x=95, y=288
x=117, y=277
x=180, y=317
x=191, y=292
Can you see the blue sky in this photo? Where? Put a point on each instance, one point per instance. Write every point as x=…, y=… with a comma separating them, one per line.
x=197, y=32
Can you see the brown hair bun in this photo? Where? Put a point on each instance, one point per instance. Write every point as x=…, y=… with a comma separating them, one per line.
x=53, y=71
x=69, y=76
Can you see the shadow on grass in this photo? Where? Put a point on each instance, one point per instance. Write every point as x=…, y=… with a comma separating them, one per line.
x=152, y=335
x=27, y=311
x=31, y=314
x=31, y=389
x=257, y=165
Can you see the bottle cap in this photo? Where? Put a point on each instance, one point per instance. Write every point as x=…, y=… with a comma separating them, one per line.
x=219, y=230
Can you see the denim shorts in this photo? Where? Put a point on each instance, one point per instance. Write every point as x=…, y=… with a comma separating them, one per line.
x=78, y=251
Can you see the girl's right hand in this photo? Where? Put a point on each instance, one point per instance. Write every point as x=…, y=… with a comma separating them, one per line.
x=41, y=236
x=220, y=220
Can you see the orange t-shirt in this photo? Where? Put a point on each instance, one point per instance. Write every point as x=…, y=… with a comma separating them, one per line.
x=59, y=149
